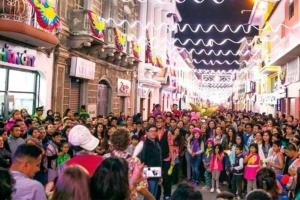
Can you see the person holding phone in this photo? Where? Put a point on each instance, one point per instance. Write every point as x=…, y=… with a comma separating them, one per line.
x=151, y=157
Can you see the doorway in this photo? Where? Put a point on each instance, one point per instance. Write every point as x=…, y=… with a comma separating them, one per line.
x=149, y=104
x=142, y=100
x=163, y=103
x=103, y=98
x=123, y=104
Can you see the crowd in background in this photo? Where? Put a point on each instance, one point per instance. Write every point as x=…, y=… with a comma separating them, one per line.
x=74, y=156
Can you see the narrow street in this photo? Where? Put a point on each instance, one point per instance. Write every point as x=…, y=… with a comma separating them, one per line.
x=121, y=99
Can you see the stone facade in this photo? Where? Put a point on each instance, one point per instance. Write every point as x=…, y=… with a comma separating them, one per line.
x=111, y=64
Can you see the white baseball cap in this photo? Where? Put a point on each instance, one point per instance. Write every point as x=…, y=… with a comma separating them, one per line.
x=81, y=136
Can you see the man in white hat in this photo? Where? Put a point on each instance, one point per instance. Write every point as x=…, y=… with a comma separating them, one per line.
x=81, y=136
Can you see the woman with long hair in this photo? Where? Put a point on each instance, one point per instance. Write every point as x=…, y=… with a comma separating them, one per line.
x=267, y=142
x=231, y=137
x=110, y=180
x=238, y=142
x=99, y=131
x=266, y=180
x=72, y=184
x=68, y=113
x=211, y=130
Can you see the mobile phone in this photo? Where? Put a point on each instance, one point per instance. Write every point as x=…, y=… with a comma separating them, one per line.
x=152, y=172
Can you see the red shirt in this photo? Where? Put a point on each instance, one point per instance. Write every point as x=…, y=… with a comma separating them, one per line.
x=176, y=113
x=89, y=162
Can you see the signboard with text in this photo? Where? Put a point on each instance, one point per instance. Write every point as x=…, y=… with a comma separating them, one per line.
x=17, y=55
x=82, y=68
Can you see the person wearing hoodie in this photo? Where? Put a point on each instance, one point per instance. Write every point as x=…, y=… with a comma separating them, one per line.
x=195, y=148
x=15, y=115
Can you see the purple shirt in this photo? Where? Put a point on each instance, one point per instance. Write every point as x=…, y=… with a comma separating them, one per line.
x=26, y=188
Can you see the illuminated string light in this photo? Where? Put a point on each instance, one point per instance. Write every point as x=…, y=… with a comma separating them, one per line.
x=218, y=53
x=213, y=27
x=246, y=28
x=179, y=1
x=218, y=62
x=207, y=43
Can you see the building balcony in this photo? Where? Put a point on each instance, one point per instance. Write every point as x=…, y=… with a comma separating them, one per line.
x=103, y=48
x=82, y=35
x=270, y=69
x=18, y=22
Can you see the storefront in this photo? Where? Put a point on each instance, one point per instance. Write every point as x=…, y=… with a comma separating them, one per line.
x=81, y=71
x=25, y=78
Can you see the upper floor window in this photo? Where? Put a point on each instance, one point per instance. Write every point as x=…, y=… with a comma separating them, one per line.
x=291, y=9
x=79, y=4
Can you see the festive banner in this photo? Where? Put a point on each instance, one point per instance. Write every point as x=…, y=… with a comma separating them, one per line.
x=120, y=39
x=149, y=57
x=97, y=24
x=282, y=75
x=136, y=49
x=160, y=62
x=46, y=14
x=153, y=60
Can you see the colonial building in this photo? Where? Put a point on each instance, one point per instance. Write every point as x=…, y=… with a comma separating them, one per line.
x=279, y=55
x=26, y=58
x=94, y=63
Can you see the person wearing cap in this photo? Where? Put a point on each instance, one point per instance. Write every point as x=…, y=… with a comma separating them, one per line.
x=195, y=148
x=80, y=136
x=38, y=115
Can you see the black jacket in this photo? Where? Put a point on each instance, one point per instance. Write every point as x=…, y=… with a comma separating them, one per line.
x=151, y=154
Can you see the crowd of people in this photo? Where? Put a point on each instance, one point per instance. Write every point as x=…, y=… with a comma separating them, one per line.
x=116, y=157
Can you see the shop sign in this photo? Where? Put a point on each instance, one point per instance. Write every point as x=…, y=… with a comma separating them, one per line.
x=278, y=105
x=124, y=87
x=269, y=99
x=82, y=68
x=17, y=55
x=282, y=93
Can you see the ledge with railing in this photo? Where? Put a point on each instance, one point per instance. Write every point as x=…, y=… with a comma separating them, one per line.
x=82, y=36
x=18, y=17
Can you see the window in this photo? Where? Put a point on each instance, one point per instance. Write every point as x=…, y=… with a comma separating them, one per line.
x=18, y=89
x=79, y=4
x=291, y=9
x=2, y=79
x=2, y=104
x=274, y=83
x=22, y=77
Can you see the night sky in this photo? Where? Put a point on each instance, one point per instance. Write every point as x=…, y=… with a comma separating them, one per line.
x=209, y=13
